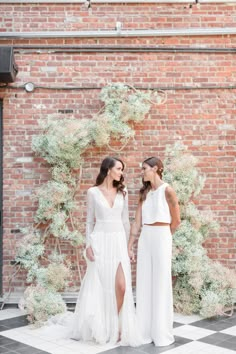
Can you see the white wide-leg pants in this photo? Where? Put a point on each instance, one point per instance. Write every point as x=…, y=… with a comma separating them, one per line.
x=154, y=299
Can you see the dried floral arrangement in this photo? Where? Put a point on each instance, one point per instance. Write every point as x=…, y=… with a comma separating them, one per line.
x=201, y=285
x=62, y=144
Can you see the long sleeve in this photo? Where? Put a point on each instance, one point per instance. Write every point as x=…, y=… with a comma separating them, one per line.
x=125, y=216
x=90, y=219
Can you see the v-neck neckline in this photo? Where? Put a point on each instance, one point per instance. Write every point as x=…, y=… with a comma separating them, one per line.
x=110, y=207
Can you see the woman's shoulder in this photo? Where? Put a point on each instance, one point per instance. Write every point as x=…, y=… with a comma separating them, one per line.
x=165, y=185
x=169, y=189
x=92, y=190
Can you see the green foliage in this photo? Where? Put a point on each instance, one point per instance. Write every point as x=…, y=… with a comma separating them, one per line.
x=30, y=248
x=41, y=303
x=61, y=173
x=53, y=197
x=65, y=140
x=123, y=104
x=202, y=285
x=182, y=174
x=54, y=277
x=62, y=143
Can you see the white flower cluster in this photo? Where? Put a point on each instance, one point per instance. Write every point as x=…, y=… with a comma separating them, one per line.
x=201, y=285
x=61, y=144
x=41, y=303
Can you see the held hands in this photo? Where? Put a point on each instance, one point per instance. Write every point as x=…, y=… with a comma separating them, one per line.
x=90, y=254
x=131, y=255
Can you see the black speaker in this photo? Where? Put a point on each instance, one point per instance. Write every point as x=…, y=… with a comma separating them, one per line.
x=8, y=67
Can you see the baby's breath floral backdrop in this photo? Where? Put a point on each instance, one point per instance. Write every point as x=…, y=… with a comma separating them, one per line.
x=201, y=285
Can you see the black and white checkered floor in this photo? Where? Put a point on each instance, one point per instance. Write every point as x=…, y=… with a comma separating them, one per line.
x=193, y=335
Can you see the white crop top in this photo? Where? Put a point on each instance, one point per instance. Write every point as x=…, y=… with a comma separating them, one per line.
x=155, y=207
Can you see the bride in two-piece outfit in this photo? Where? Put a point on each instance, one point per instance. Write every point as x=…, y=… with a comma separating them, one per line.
x=105, y=309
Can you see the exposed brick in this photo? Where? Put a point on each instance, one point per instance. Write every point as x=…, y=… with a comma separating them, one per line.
x=204, y=120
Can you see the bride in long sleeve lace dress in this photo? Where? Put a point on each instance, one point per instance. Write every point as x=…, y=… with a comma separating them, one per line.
x=105, y=308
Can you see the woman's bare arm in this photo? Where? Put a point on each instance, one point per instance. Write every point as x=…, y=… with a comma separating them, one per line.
x=135, y=229
x=172, y=201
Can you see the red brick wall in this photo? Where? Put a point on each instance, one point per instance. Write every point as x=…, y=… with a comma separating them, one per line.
x=204, y=120
x=71, y=17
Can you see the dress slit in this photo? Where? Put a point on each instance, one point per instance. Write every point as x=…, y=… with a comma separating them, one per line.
x=122, y=270
x=96, y=314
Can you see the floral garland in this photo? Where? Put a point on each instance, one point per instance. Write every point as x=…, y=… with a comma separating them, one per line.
x=201, y=285
x=62, y=143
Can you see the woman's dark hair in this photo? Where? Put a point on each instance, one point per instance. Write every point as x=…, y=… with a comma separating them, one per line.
x=151, y=161
x=106, y=165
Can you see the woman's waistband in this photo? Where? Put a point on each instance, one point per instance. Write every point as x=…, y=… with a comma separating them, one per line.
x=154, y=227
x=158, y=224
x=155, y=230
x=108, y=221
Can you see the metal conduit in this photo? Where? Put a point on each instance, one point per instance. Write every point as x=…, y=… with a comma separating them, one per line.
x=102, y=1
x=117, y=49
x=154, y=88
x=113, y=1
x=120, y=33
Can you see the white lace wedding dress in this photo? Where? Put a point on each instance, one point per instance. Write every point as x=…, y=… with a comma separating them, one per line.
x=96, y=316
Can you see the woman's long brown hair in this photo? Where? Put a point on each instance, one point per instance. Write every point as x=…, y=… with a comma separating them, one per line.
x=106, y=165
x=151, y=161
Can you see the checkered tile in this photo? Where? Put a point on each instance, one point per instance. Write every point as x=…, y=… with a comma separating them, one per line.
x=192, y=335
